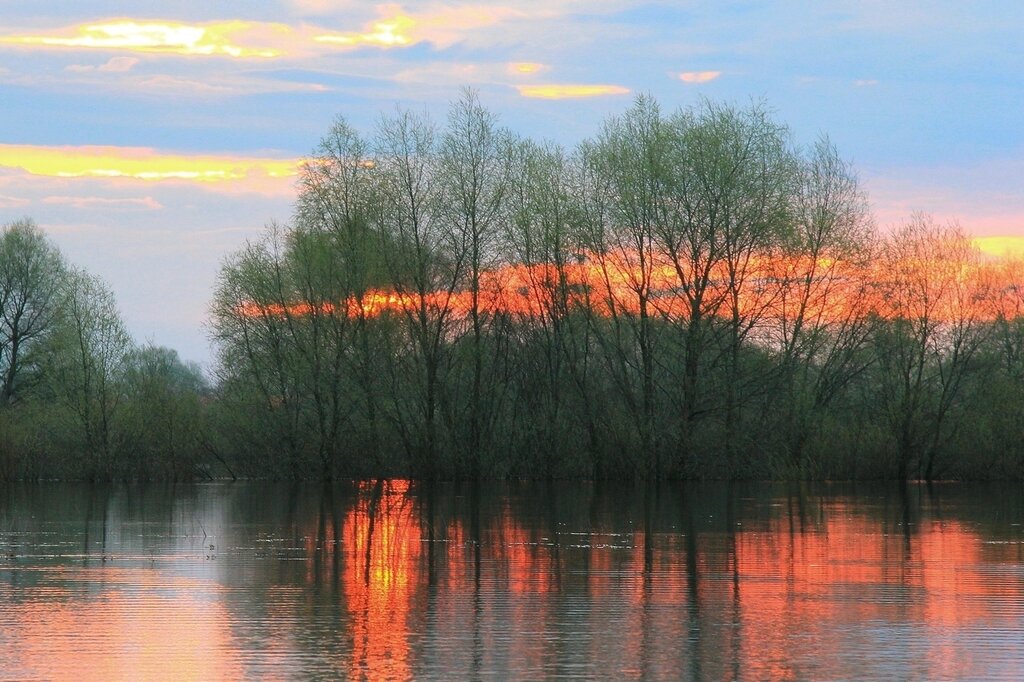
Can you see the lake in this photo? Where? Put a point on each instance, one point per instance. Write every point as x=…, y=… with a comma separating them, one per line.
x=391, y=580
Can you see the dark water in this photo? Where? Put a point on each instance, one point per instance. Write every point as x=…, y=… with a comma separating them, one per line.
x=388, y=581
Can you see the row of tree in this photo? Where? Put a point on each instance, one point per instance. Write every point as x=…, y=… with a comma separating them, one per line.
x=685, y=295
x=78, y=397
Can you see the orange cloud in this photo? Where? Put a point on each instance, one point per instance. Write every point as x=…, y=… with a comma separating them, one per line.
x=215, y=38
x=569, y=91
x=140, y=163
x=697, y=77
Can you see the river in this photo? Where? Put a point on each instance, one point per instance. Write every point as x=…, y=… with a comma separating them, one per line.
x=392, y=580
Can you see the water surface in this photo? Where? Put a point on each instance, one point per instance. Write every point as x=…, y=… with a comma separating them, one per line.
x=391, y=580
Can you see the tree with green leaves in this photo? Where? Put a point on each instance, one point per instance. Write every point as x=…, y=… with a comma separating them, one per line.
x=31, y=273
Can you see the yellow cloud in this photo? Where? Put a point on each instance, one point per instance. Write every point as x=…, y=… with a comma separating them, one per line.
x=526, y=68
x=216, y=38
x=568, y=91
x=392, y=32
x=442, y=27
x=140, y=163
x=1001, y=246
x=696, y=77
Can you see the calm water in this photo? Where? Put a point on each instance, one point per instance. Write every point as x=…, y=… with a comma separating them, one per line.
x=512, y=581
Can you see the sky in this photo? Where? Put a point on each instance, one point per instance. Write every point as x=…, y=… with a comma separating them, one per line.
x=150, y=140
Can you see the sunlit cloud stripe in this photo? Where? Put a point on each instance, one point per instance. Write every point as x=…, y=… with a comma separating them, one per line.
x=227, y=38
x=140, y=163
x=570, y=91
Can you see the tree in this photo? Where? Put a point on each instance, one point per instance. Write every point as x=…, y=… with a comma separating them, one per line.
x=86, y=364
x=31, y=273
x=933, y=308
x=820, y=313
x=162, y=416
x=258, y=367
x=473, y=180
x=624, y=205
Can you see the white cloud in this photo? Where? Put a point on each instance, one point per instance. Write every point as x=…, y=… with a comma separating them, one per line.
x=113, y=65
x=119, y=64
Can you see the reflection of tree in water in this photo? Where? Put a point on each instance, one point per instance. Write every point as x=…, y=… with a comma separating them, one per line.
x=391, y=579
x=381, y=537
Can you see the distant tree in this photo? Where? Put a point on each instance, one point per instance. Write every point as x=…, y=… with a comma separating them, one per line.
x=162, y=417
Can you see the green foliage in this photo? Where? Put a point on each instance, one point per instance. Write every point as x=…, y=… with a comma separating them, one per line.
x=79, y=399
x=686, y=295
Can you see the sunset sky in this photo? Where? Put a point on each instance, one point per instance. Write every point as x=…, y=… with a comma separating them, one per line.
x=151, y=139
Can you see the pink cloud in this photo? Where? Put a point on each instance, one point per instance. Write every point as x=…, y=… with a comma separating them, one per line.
x=697, y=77
x=13, y=202
x=147, y=203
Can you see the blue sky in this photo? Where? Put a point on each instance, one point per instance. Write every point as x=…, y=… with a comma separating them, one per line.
x=151, y=140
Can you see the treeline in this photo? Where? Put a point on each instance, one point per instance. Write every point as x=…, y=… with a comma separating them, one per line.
x=684, y=295
x=78, y=398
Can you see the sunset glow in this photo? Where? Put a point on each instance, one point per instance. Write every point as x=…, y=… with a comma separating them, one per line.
x=1002, y=246
x=608, y=286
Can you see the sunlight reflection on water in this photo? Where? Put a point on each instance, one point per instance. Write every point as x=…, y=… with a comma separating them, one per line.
x=390, y=580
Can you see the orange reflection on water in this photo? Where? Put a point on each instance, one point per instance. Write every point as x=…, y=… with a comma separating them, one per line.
x=382, y=544
x=128, y=623
x=847, y=581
